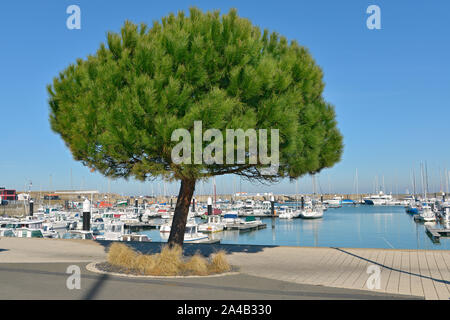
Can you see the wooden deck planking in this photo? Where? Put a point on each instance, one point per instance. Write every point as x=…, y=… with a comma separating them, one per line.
x=394, y=277
x=326, y=266
x=411, y=272
x=446, y=259
x=334, y=273
x=348, y=270
x=416, y=282
x=441, y=288
x=344, y=272
x=380, y=260
x=404, y=286
x=445, y=273
x=309, y=270
x=356, y=269
x=427, y=284
x=387, y=270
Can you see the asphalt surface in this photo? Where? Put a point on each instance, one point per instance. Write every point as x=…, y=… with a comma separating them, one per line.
x=49, y=281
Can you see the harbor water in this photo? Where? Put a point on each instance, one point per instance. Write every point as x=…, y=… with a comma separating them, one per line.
x=361, y=226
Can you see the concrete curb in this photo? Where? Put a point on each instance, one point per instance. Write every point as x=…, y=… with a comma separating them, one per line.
x=93, y=268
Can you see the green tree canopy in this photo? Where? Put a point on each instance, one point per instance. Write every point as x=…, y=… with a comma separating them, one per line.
x=116, y=109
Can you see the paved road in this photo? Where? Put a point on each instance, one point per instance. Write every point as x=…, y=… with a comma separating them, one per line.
x=48, y=281
x=266, y=271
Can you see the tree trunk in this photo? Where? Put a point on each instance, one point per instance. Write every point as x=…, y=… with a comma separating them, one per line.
x=181, y=212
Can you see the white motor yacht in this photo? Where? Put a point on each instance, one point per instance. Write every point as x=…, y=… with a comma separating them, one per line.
x=426, y=214
x=379, y=199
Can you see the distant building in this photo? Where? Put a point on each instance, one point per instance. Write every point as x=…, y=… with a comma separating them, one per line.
x=8, y=194
x=51, y=197
x=23, y=197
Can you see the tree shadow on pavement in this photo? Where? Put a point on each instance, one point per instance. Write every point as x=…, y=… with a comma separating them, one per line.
x=390, y=268
x=190, y=249
x=95, y=289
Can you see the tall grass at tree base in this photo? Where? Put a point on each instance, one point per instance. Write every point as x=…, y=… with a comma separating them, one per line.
x=170, y=262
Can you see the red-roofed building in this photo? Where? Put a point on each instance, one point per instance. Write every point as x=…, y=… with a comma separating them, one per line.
x=8, y=194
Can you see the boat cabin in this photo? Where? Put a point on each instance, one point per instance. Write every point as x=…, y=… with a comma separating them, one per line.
x=78, y=234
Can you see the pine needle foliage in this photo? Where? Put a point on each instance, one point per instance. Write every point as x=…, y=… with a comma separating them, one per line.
x=117, y=108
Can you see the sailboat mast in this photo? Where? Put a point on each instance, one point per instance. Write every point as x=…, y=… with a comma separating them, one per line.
x=447, y=177
x=423, y=182
x=215, y=196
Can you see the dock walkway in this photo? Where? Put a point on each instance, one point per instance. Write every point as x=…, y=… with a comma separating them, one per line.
x=423, y=273
x=242, y=227
x=436, y=234
x=142, y=226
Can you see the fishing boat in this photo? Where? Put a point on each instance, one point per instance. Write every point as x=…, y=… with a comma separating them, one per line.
x=78, y=235
x=112, y=231
x=191, y=234
x=27, y=228
x=59, y=226
x=28, y=233
x=48, y=231
x=7, y=225
x=214, y=224
x=7, y=232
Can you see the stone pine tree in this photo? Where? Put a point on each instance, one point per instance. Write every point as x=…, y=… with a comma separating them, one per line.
x=116, y=110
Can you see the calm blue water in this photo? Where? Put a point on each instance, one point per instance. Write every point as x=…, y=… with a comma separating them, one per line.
x=349, y=226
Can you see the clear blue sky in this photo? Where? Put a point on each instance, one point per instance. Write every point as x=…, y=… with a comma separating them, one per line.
x=391, y=87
